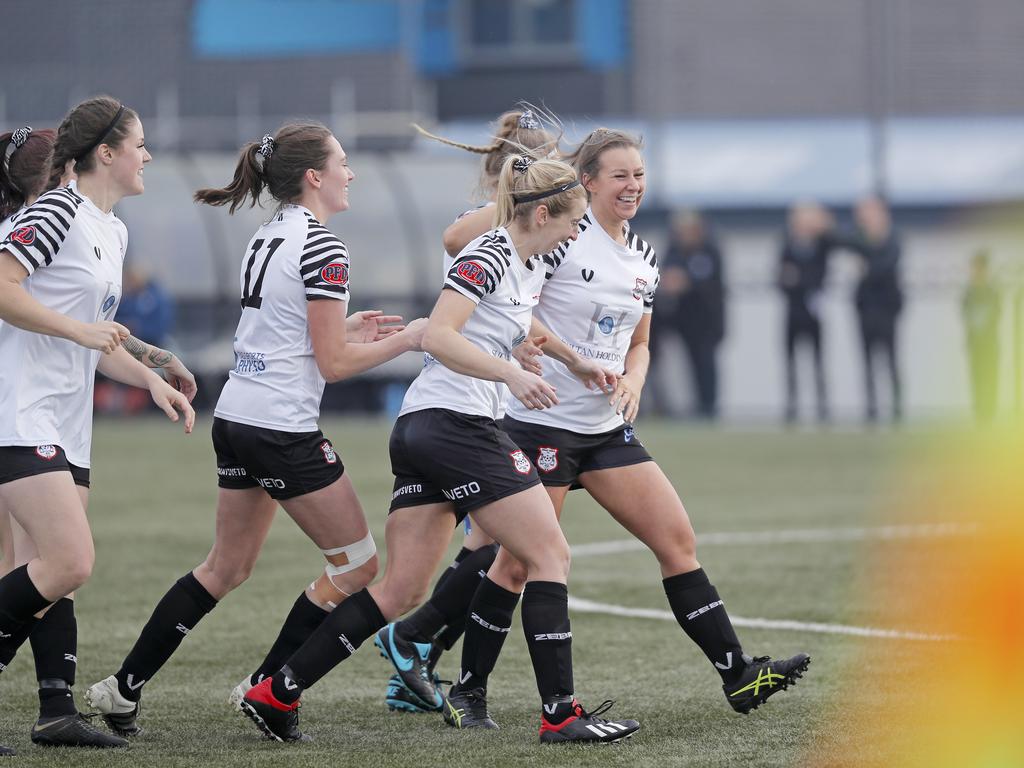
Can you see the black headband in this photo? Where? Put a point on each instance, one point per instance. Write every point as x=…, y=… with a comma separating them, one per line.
x=517, y=199
x=99, y=139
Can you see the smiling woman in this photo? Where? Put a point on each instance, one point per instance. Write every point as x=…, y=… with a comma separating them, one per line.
x=60, y=282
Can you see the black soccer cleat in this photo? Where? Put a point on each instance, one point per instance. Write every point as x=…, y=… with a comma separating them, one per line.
x=584, y=727
x=6, y=751
x=762, y=678
x=277, y=720
x=73, y=731
x=411, y=661
x=468, y=709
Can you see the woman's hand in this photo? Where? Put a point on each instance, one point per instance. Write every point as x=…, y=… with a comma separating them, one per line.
x=180, y=377
x=626, y=397
x=170, y=401
x=371, y=325
x=594, y=376
x=415, y=331
x=527, y=354
x=105, y=336
x=531, y=390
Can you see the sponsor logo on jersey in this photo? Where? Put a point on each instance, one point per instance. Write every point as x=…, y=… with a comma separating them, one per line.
x=547, y=459
x=520, y=462
x=24, y=235
x=96, y=250
x=335, y=274
x=329, y=455
x=471, y=272
x=638, y=290
x=46, y=451
x=588, y=274
x=462, y=491
x=628, y=434
x=108, y=303
x=250, y=364
x=606, y=325
x=519, y=339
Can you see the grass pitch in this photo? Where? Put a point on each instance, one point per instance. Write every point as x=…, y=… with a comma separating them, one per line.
x=152, y=514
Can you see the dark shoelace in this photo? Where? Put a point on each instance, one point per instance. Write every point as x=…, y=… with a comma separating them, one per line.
x=601, y=709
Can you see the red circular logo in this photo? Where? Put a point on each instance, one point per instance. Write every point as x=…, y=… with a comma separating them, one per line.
x=24, y=235
x=336, y=274
x=471, y=272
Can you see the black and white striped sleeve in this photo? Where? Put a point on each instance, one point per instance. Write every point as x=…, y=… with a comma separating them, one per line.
x=42, y=228
x=324, y=265
x=478, y=272
x=552, y=260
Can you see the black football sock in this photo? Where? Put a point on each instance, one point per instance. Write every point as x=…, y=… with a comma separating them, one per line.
x=303, y=619
x=337, y=637
x=10, y=644
x=702, y=615
x=448, y=604
x=480, y=562
x=489, y=622
x=549, y=638
x=54, y=642
x=174, y=617
x=20, y=601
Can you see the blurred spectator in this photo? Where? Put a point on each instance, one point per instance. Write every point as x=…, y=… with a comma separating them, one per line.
x=690, y=304
x=146, y=308
x=878, y=297
x=148, y=312
x=803, y=261
x=981, y=310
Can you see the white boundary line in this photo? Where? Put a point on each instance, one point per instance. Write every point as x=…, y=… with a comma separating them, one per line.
x=790, y=536
x=580, y=605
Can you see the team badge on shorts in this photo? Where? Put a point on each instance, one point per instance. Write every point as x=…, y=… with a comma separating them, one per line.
x=547, y=459
x=46, y=451
x=329, y=455
x=520, y=462
x=641, y=286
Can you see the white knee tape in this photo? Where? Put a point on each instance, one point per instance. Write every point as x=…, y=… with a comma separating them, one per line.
x=358, y=554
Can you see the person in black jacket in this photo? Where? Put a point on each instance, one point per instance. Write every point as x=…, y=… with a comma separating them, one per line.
x=803, y=260
x=878, y=297
x=694, y=292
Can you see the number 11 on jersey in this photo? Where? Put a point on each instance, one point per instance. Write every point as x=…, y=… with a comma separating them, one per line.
x=253, y=299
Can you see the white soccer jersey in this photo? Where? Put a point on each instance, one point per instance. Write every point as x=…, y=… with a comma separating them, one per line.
x=596, y=294
x=73, y=253
x=490, y=273
x=276, y=384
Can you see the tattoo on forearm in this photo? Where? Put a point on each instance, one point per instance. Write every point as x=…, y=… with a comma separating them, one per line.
x=159, y=357
x=135, y=348
x=147, y=354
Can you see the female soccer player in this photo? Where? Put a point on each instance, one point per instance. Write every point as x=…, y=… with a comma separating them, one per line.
x=450, y=458
x=598, y=300
x=515, y=131
x=60, y=278
x=25, y=166
x=293, y=337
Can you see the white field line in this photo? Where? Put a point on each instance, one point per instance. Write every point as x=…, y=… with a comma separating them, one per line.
x=791, y=536
x=589, y=606
x=807, y=535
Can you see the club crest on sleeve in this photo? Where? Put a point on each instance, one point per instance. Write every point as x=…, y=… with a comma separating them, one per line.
x=638, y=290
x=47, y=452
x=24, y=235
x=108, y=303
x=471, y=272
x=520, y=462
x=329, y=455
x=547, y=459
x=335, y=274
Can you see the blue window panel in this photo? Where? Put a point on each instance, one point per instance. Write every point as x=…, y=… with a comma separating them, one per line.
x=435, y=44
x=268, y=28
x=602, y=31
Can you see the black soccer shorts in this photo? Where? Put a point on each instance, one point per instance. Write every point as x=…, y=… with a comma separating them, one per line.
x=18, y=461
x=439, y=455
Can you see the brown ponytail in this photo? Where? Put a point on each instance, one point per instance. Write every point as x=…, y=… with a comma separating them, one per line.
x=276, y=164
x=25, y=171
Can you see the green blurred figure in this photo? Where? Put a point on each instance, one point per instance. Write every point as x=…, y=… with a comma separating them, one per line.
x=981, y=310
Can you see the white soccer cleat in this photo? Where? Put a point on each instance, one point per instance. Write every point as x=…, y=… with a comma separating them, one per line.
x=238, y=693
x=118, y=712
